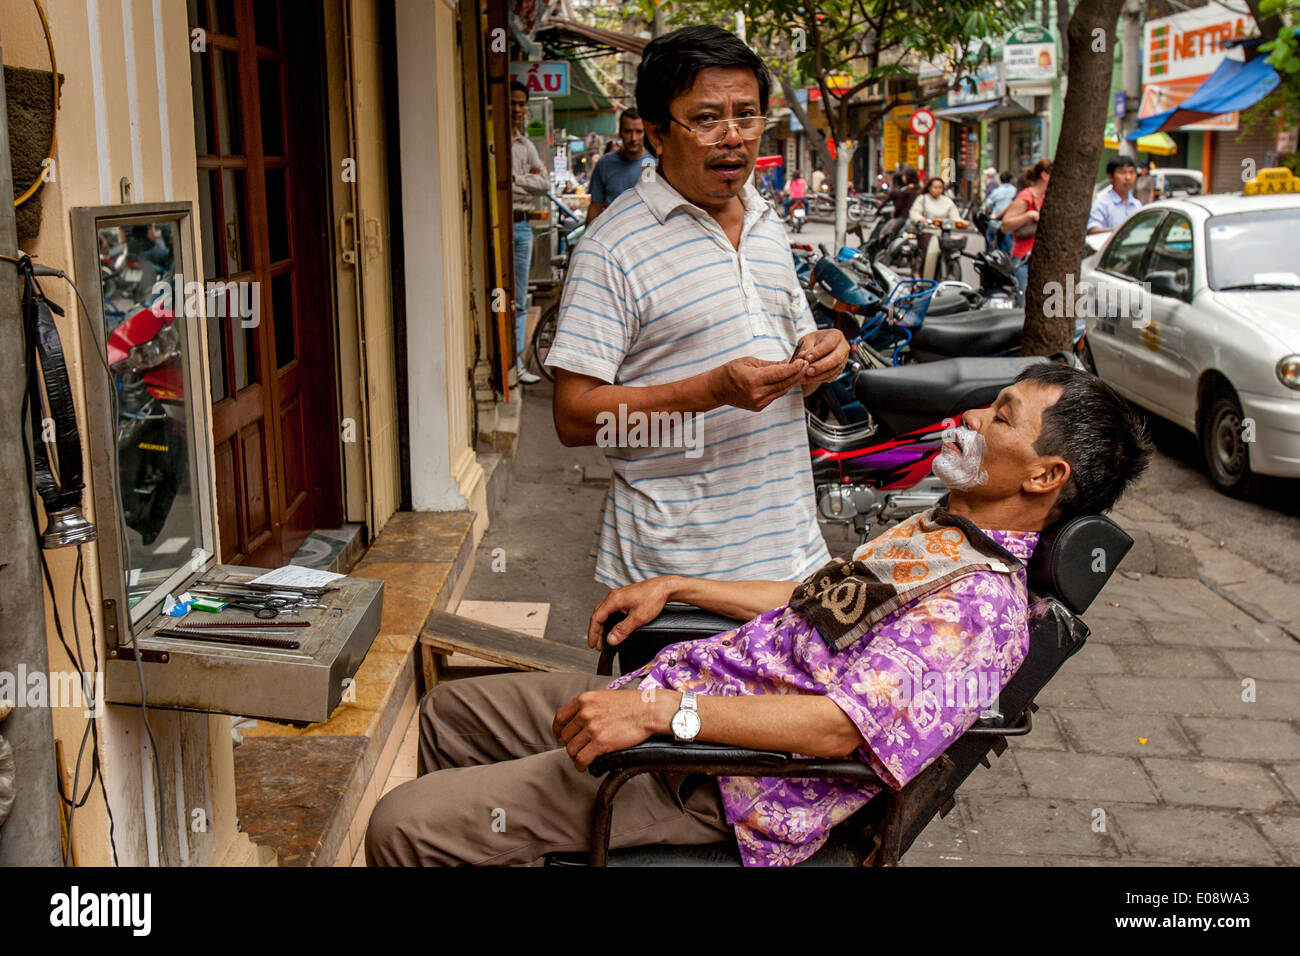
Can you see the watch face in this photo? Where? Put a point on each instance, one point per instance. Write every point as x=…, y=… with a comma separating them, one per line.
x=686, y=723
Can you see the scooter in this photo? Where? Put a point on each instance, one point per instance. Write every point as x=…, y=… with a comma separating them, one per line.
x=798, y=215
x=947, y=260
x=152, y=459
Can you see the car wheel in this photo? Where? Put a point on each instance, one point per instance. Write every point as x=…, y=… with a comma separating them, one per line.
x=1227, y=458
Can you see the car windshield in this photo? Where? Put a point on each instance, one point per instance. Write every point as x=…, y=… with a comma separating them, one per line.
x=1253, y=250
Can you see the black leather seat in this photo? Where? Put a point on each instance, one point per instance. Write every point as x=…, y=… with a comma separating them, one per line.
x=913, y=396
x=982, y=332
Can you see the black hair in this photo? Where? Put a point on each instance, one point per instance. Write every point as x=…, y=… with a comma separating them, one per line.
x=629, y=113
x=671, y=63
x=1119, y=162
x=516, y=85
x=1104, y=441
x=1006, y=176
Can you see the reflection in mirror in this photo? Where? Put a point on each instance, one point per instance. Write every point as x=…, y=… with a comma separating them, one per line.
x=146, y=355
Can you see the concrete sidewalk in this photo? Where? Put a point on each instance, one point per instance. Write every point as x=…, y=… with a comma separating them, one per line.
x=1143, y=752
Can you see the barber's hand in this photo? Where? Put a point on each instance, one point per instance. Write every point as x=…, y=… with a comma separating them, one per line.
x=641, y=602
x=754, y=383
x=601, y=721
x=826, y=351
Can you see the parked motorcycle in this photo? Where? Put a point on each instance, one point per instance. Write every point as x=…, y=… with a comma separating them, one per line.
x=152, y=458
x=947, y=261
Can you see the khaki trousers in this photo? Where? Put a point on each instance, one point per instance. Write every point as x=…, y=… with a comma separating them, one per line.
x=496, y=788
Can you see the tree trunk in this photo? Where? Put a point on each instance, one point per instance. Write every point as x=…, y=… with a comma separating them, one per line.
x=1059, y=243
x=843, y=157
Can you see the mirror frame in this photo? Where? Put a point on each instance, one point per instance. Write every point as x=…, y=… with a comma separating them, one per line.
x=101, y=428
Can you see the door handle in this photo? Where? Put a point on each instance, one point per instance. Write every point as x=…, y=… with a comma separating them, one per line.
x=371, y=239
x=347, y=228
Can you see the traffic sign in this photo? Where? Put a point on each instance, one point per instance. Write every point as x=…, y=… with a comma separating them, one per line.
x=923, y=122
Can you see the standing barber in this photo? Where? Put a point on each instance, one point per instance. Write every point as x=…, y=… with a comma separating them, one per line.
x=683, y=299
x=528, y=179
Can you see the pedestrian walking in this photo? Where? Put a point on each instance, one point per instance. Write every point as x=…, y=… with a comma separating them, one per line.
x=1020, y=220
x=529, y=180
x=618, y=171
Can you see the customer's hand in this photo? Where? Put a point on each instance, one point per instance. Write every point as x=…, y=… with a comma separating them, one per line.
x=601, y=721
x=754, y=383
x=641, y=602
x=826, y=351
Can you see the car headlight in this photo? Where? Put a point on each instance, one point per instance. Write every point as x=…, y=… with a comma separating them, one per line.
x=1288, y=371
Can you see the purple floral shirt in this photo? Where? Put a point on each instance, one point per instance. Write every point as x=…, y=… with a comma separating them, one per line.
x=912, y=686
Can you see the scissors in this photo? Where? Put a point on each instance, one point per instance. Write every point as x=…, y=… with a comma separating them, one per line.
x=269, y=608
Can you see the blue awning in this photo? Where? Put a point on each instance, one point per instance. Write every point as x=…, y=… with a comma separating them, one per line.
x=1234, y=86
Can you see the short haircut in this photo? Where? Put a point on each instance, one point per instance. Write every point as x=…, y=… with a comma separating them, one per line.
x=1119, y=162
x=1006, y=176
x=671, y=63
x=516, y=86
x=934, y=179
x=629, y=113
x=1104, y=441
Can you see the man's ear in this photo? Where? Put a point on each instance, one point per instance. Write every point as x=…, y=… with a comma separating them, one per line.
x=654, y=135
x=1048, y=475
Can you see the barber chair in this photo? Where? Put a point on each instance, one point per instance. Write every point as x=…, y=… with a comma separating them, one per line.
x=1069, y=567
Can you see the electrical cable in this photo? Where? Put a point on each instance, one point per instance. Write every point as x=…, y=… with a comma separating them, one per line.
x=54, y=120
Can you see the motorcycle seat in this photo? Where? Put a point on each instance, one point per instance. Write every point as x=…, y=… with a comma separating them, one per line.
x=981, y=332
x=935, y=390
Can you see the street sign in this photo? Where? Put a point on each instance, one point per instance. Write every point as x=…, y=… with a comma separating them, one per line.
x=1121, y=103
x=543, y=78
x=922, y=122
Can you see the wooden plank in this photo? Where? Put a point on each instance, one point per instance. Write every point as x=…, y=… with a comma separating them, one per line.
x=527, y=617
x=450, y=633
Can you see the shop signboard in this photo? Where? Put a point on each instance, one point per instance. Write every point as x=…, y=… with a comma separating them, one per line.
x=543, y=78
x=1182, y=50
x=988, y=86
x=1029, y=57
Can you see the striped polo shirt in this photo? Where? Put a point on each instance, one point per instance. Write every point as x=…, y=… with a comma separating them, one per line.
x=657, y=293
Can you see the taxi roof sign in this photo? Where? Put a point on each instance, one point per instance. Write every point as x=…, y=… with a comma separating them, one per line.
x=1276, y=179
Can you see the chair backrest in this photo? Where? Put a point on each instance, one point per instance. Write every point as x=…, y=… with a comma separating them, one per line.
x=1074, y=559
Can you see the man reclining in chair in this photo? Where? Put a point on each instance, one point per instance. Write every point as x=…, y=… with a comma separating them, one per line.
x=888, y=654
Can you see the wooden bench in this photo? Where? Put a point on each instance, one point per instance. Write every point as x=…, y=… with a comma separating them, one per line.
x=445, y=634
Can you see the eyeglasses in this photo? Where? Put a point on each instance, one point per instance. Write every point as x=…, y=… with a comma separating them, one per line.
x=713, y=132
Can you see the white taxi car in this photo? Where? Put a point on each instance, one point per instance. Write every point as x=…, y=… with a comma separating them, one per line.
x=1195, y=308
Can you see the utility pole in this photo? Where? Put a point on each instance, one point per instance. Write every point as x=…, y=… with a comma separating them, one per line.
x=30, y=836
x=657, y=24
x=1132, y=21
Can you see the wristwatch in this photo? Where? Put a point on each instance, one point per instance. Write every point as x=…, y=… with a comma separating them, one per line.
x=686, y=722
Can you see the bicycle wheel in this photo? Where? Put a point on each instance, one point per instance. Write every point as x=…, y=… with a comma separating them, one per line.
x=543, y=336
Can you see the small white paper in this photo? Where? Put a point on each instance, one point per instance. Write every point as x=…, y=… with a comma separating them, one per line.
x=299, y=577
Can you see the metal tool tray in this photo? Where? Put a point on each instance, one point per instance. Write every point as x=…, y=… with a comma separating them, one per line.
x=298, y=686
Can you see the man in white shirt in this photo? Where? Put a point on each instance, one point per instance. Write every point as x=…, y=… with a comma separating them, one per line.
x=1116, y=202
x=682, y=301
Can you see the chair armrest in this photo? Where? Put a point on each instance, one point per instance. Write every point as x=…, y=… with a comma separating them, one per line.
x=723, y=760
x=676, y=622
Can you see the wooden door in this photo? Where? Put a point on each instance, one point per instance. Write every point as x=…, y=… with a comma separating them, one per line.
x=261, y=171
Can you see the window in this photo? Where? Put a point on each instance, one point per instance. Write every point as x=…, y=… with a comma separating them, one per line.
x=1171, y=255
x=1252, y=250
x=1126, y=251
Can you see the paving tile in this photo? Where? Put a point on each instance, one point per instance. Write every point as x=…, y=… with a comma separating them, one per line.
x=941, y=859
x=1161, y=661
x=1289, y=774
x=1282, y=664
x=408, y=752
x=1277, y=700
x=1046, y=735
x=1203, y=633
x=1134, y=735
x=1002, y=776
x=1214, y=783
x=1282, y=830
x=1185, y=834
x=1067, y=861
x=1157, y=695
x=1115, y=627
x=1021, y=826
x=1087, y=777
x=1243, y=739
x=1096, y=659
x=1068, y=689
x=947, y=835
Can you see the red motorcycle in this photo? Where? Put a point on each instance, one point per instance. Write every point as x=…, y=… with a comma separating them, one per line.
x=144, y=353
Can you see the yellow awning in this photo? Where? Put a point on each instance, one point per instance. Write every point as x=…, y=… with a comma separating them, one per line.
x=1158, y=143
